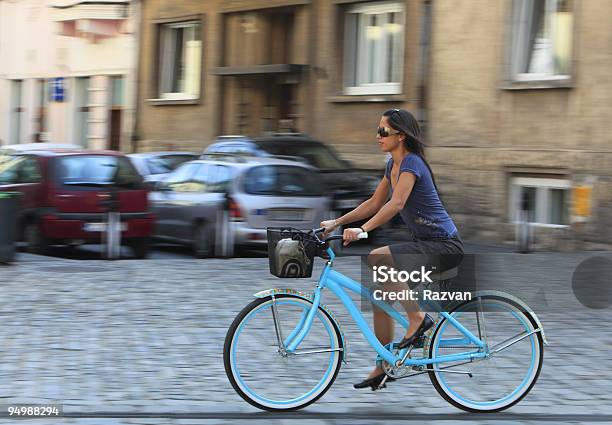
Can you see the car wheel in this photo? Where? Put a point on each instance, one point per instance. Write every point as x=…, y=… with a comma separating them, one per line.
x=140, y=247
x=36, y=242
x=203, y=246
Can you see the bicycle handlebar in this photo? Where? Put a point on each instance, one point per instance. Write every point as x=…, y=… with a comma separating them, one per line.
x=362, y=235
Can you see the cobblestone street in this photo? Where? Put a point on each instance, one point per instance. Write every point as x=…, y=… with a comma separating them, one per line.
x=145, y=338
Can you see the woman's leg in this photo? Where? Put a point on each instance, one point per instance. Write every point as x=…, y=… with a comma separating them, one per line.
x=383, y=323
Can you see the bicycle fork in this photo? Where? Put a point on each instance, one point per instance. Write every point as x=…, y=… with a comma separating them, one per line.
x=277, y=327
x=288, y=346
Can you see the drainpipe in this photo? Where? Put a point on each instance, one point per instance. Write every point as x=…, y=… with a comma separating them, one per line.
x=424, y=63
x=138, y=16
x=311, y=71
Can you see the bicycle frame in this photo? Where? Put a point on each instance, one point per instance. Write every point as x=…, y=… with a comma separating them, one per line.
x=337, y=283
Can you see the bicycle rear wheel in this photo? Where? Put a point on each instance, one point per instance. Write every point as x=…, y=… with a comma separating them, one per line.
x=266, y=377
x=499, y=381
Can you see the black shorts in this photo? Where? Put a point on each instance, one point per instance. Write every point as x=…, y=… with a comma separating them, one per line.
x=441, y=254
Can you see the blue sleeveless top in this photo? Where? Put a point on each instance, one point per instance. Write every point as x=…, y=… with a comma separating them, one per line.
x=423, y=213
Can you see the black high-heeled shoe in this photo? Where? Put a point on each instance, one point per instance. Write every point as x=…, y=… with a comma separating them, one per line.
x=374, y=382
x=425, y=325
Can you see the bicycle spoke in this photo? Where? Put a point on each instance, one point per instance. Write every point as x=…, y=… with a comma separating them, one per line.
x=513, y=340
x=316, y=351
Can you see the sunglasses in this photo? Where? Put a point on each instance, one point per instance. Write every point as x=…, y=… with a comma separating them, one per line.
x=386, y=132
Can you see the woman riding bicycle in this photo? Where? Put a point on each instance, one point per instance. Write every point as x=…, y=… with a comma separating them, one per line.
x=414, y=196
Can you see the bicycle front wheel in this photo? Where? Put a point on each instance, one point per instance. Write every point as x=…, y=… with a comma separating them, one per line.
x=262, y=373
x=500, y=380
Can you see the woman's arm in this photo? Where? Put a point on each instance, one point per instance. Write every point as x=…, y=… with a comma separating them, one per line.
x=396, y=203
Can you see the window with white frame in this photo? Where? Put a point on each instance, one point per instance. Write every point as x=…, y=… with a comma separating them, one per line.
x=542, y=39
x=373, y=48
x=16, y=111
x=180, y=57
x=543, y=201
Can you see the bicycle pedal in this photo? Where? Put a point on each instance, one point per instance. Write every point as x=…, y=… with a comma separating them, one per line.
x=380, y=387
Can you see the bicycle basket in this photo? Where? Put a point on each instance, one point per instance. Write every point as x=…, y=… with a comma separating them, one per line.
x=291, y=252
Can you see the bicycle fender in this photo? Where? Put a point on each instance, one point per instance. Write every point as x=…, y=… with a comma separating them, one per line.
x=308, y=297
x=525, y=308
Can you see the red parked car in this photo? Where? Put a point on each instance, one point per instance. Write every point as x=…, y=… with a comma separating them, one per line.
x=67, y=192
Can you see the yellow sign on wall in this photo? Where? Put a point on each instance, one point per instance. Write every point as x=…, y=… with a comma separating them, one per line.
x=582, y=201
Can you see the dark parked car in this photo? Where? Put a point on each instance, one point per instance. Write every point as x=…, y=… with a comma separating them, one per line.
x=347, y=185
x=155, y=166
x=66, y=193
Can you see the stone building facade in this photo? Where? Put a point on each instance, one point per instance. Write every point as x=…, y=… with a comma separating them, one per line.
x=519, y=118
x=266, y=62
x=67, y=72
x=514, y=95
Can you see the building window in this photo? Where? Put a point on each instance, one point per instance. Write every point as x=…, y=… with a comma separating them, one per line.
x=116, y=91
x=81, y=111
x=541, y=201
x=542, y=39
x=180, y=53
x=373, y=48
x=15, y=111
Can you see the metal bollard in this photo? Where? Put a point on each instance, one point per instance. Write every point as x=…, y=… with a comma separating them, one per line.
x=524, y=233
x=224, y=236
x=112, y=233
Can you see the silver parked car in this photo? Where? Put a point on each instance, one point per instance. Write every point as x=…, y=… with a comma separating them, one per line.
x=255, y=193
x=155, y=166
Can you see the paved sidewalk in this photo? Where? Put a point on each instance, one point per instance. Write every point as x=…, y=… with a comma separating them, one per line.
x=145, y=337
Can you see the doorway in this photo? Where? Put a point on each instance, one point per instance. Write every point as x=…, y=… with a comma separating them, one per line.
x=115, y=112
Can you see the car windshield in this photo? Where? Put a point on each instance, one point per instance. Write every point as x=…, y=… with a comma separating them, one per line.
x=164, y=164
x=97, y=170
x=317, y=155
x=5, y=157
x=281, y=180
x=9, y=166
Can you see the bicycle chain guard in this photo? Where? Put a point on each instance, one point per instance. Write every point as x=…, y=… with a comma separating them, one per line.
x=402, y=371
x=393, y=371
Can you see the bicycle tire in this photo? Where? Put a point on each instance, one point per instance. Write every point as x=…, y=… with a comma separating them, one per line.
x=228, y=364
x=440, y=388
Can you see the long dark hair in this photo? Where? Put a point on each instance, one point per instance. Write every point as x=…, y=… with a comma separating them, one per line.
x=404, y=121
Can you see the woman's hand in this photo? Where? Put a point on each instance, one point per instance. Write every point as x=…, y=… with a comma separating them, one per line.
x=330, y=226
x=351, y=235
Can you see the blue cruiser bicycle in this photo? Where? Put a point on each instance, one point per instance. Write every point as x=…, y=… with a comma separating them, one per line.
x=284, y=350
